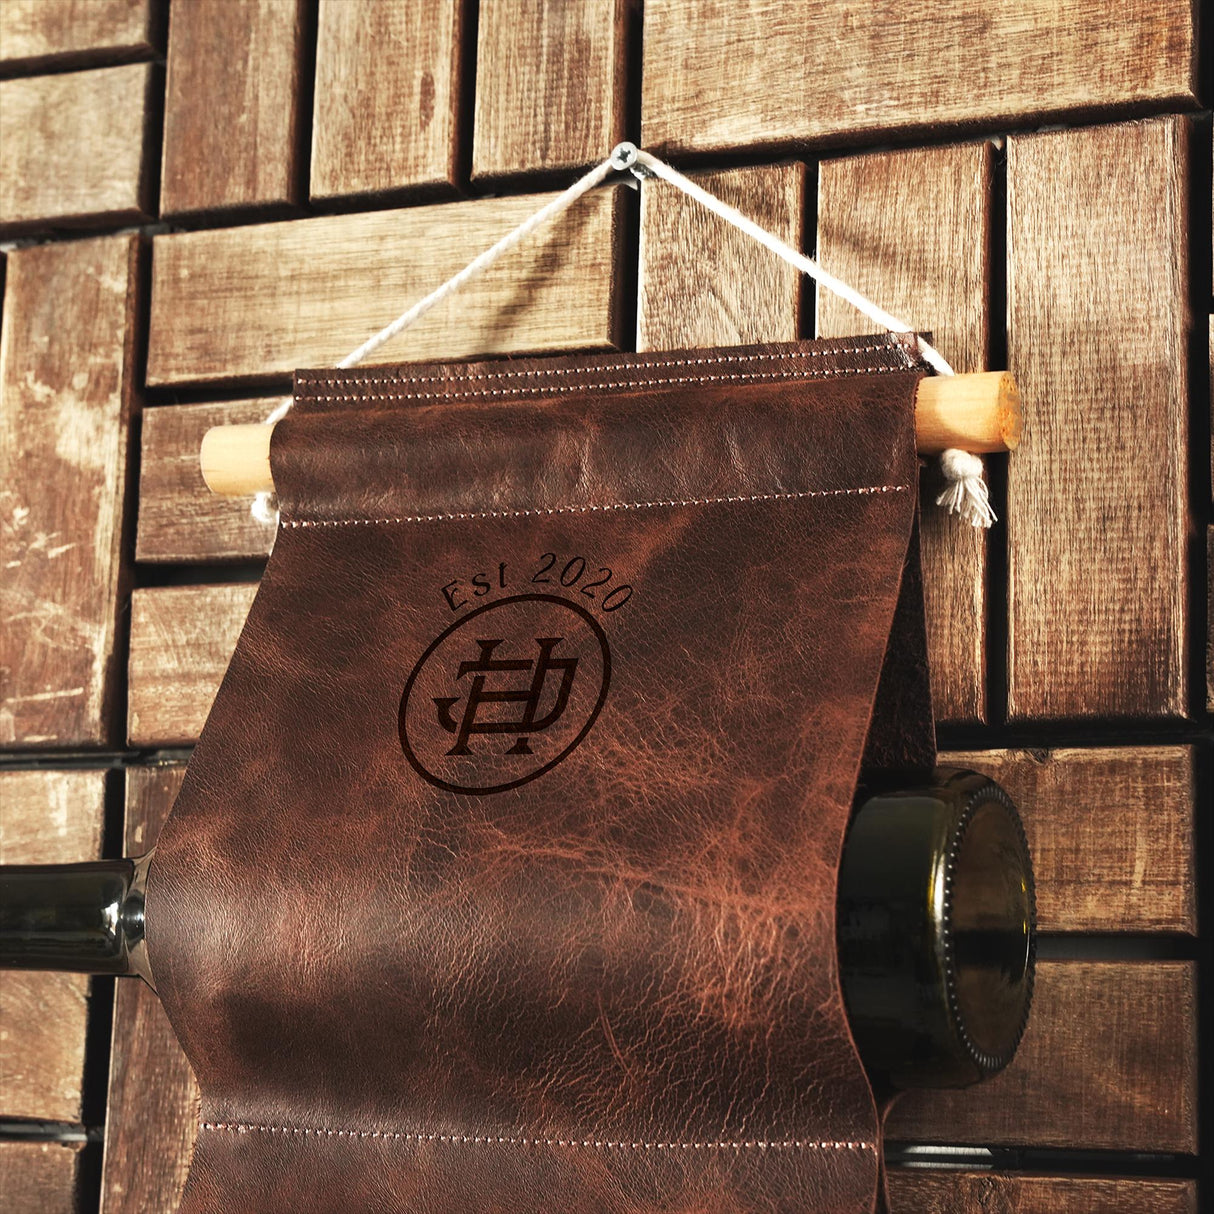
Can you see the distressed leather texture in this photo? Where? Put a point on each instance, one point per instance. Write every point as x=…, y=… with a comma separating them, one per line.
x=609, y=986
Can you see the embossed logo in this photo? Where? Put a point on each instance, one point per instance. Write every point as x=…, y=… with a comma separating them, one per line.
x=504, y=694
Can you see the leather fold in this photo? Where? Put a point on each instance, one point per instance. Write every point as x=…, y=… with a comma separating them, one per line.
x=503, y=874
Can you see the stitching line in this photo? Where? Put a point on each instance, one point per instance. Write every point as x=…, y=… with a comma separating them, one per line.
x=788, y=1144
x=624, y=383
x=652, y=365
x=865, y=491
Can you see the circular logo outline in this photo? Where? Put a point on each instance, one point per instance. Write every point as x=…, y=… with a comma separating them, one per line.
x=416, y=763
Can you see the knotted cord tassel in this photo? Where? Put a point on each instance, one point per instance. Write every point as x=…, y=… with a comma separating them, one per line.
x=966, y=493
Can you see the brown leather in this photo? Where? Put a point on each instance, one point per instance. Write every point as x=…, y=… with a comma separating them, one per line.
x=611, y=987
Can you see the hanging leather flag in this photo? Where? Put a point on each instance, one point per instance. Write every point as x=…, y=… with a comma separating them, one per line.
x=503, y=875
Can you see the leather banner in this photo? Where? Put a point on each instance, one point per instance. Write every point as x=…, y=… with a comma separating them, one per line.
x=503, y=875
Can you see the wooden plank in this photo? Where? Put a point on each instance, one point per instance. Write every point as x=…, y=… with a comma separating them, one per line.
x=231, y=112
x=386, y=116
x=39, y=34
x=704, y=283
x=551, y=83
x=180, y=519
x=1098, y=514
x=1109, y=1062
x=182, y=638
x=39, y=1177
x=762, y=74
x=152, y=1117
x=256, y=302
x=1111, y=833
x=67, y=357
x=46, y=817
x=912, y=230
x=938, y=1192
x=74, y=149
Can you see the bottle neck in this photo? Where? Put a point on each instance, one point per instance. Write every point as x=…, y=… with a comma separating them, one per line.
x=81, y=918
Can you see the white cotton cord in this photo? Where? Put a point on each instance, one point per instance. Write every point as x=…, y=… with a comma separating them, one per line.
x=560, y=203
x=659, y=168
x=265, y=504
x=966, y=493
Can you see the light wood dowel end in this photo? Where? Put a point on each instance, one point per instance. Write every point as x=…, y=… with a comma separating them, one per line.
x=236, y=459
x=978, y=413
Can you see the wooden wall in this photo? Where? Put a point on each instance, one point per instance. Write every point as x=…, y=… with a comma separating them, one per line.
x=197, y=197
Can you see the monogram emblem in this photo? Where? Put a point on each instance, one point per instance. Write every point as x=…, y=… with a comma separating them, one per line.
x=529, y=696
x=505, y=694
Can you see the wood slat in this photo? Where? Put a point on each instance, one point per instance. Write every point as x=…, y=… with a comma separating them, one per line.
x=66, y=399
x=1111, y=833
x=180, y=519
x=762, y=73
x=1109, y=1061
x=256, y=302
x=386, y=115
x=930, y=1192
x=74, y=149
x=46, y=817
x=912, y=231
x=39, y=34
x=152, y=1117
x=704, y=283
x=231, y=112
x=182, y=638
x=551, y=82
x=39, y=1177
x=1098, y=329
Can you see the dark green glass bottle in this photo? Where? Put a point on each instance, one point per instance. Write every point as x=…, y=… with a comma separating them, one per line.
x=79, y=918
x=935, y=928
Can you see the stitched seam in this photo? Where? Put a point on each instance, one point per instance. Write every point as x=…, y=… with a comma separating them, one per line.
x=738, y=376
x=759, y=1144
x=866, y=490
x=653, y=365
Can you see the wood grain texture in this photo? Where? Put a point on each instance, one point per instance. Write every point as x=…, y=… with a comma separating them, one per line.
x=386, y=110
x=256, y=302
x=912, y=231
x=152, y=1117
x=551, y=80
x=763, y=73
x=39, y=34
x=929, y=1192
x=231, y=111
x=1098, y=330
x=74, y=149
x=182, y=638
x=704, y=283
x=1109, y=1061
x=66, y=400
x=1111, y=833
x=39, y=1177
x=46, y=817
x=180, y=519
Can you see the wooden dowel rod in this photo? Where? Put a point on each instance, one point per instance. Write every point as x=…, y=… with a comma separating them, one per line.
x=978, y=413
